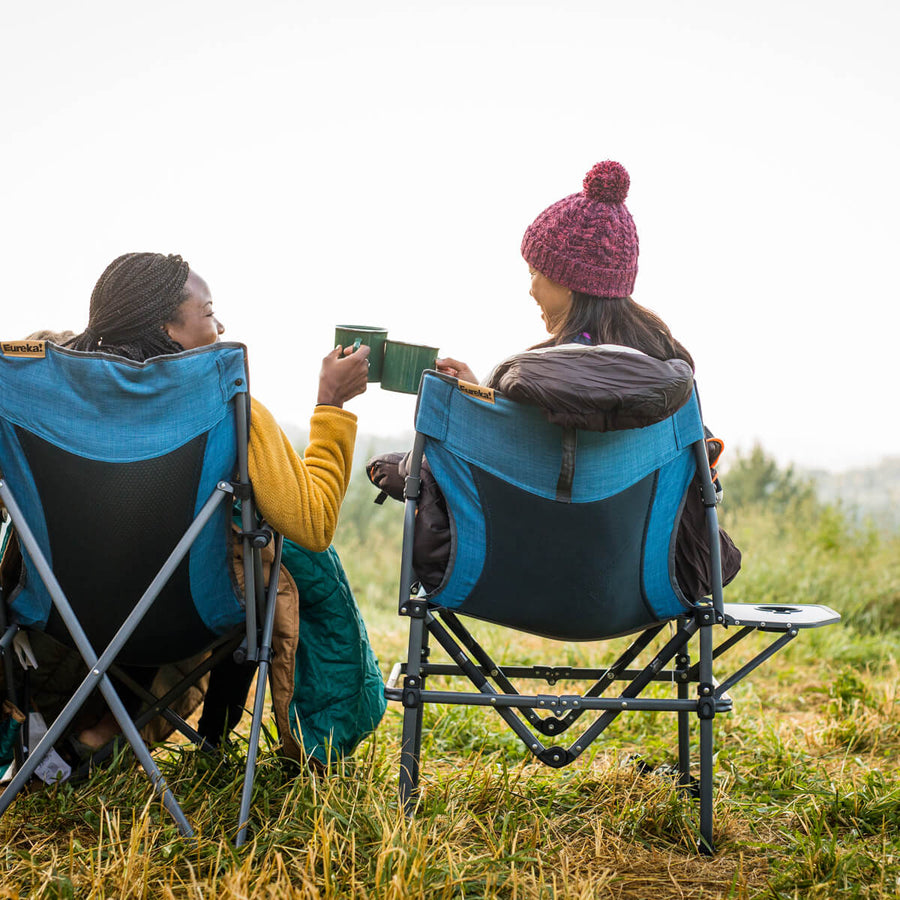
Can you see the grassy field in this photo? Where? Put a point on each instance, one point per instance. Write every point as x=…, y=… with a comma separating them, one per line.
x=807, y=783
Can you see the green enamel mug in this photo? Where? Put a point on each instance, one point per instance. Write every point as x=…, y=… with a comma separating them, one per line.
x=370, y=335
x=404, y=364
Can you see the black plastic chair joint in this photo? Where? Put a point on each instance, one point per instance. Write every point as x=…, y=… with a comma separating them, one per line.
x=259, y=538
x=708, y=495
x=706, y=705
x=412, y=696
x=550, y=726
x=556, y=757
x=415, y=609
x=411, y=487
x=241, y=489
x=552, y=674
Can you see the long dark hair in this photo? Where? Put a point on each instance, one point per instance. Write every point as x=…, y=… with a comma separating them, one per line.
x=137, y=294
x=618, y=320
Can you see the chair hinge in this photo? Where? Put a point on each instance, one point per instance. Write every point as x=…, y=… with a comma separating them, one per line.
x=552, y=674
x=708, y=495
x=557, y=757
x=706, y=705
x=411, y=692
x=241, y=490
x=411, y=487
x=415, y=609
x=259, y=538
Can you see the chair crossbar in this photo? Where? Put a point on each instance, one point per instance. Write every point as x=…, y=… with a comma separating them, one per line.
x=572, y=711
x=160, y=706
x=630, y=693
x=757, y=660
x=157, y=707
x=559, y=673
x=564, y=701
x=502, y=674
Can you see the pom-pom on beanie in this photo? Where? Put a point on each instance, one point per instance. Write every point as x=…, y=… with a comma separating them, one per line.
x=587, y=242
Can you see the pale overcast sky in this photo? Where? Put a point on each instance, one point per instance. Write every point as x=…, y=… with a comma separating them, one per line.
x=378, y=163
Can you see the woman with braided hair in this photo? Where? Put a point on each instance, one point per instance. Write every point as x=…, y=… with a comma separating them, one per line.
x=133, y=299
x=148, y=304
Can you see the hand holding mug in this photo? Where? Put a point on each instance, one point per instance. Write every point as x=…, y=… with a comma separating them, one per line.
x=344, y=375
x=456, y=369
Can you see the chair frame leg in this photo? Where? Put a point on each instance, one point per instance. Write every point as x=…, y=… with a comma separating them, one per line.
x=262, y=676
x=706, y=712
x=413, y=714
x=682, y=665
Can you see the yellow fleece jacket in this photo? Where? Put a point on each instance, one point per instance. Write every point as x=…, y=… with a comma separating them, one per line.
x=301, y=496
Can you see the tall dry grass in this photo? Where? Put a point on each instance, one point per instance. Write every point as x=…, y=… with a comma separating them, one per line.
x=807, y=788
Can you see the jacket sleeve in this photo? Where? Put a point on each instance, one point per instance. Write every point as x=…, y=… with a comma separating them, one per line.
x=301, y=496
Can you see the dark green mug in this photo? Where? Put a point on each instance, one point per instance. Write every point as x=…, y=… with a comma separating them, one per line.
x=404, y=364
x=370, y=335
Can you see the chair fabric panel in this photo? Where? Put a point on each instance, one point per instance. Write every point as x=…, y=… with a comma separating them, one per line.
x=215, y=592
x=660, y=587
x=91, y=509
x=31, y=607
x=106, y=407
x=467, y=526
x=610, y=461
x=172, y=400
x=561, y=570
x=507, y=439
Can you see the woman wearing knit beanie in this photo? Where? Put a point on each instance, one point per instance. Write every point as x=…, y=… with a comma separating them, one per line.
x=582, y=254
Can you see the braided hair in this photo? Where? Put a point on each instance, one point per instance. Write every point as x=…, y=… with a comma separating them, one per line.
x=134, y=298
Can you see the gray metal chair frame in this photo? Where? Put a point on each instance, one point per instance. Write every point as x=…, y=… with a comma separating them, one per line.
x=251, y=643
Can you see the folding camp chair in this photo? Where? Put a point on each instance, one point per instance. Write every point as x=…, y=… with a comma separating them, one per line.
x=569, y=535
x=121, y=480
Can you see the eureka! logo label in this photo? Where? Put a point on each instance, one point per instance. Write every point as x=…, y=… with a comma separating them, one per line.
x=477, y=391
x=33, y=349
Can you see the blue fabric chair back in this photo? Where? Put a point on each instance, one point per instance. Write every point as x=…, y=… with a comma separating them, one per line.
x=109, y=461
x=565, y=534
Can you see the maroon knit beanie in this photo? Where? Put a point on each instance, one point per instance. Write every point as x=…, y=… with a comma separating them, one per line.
x=587, y=242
